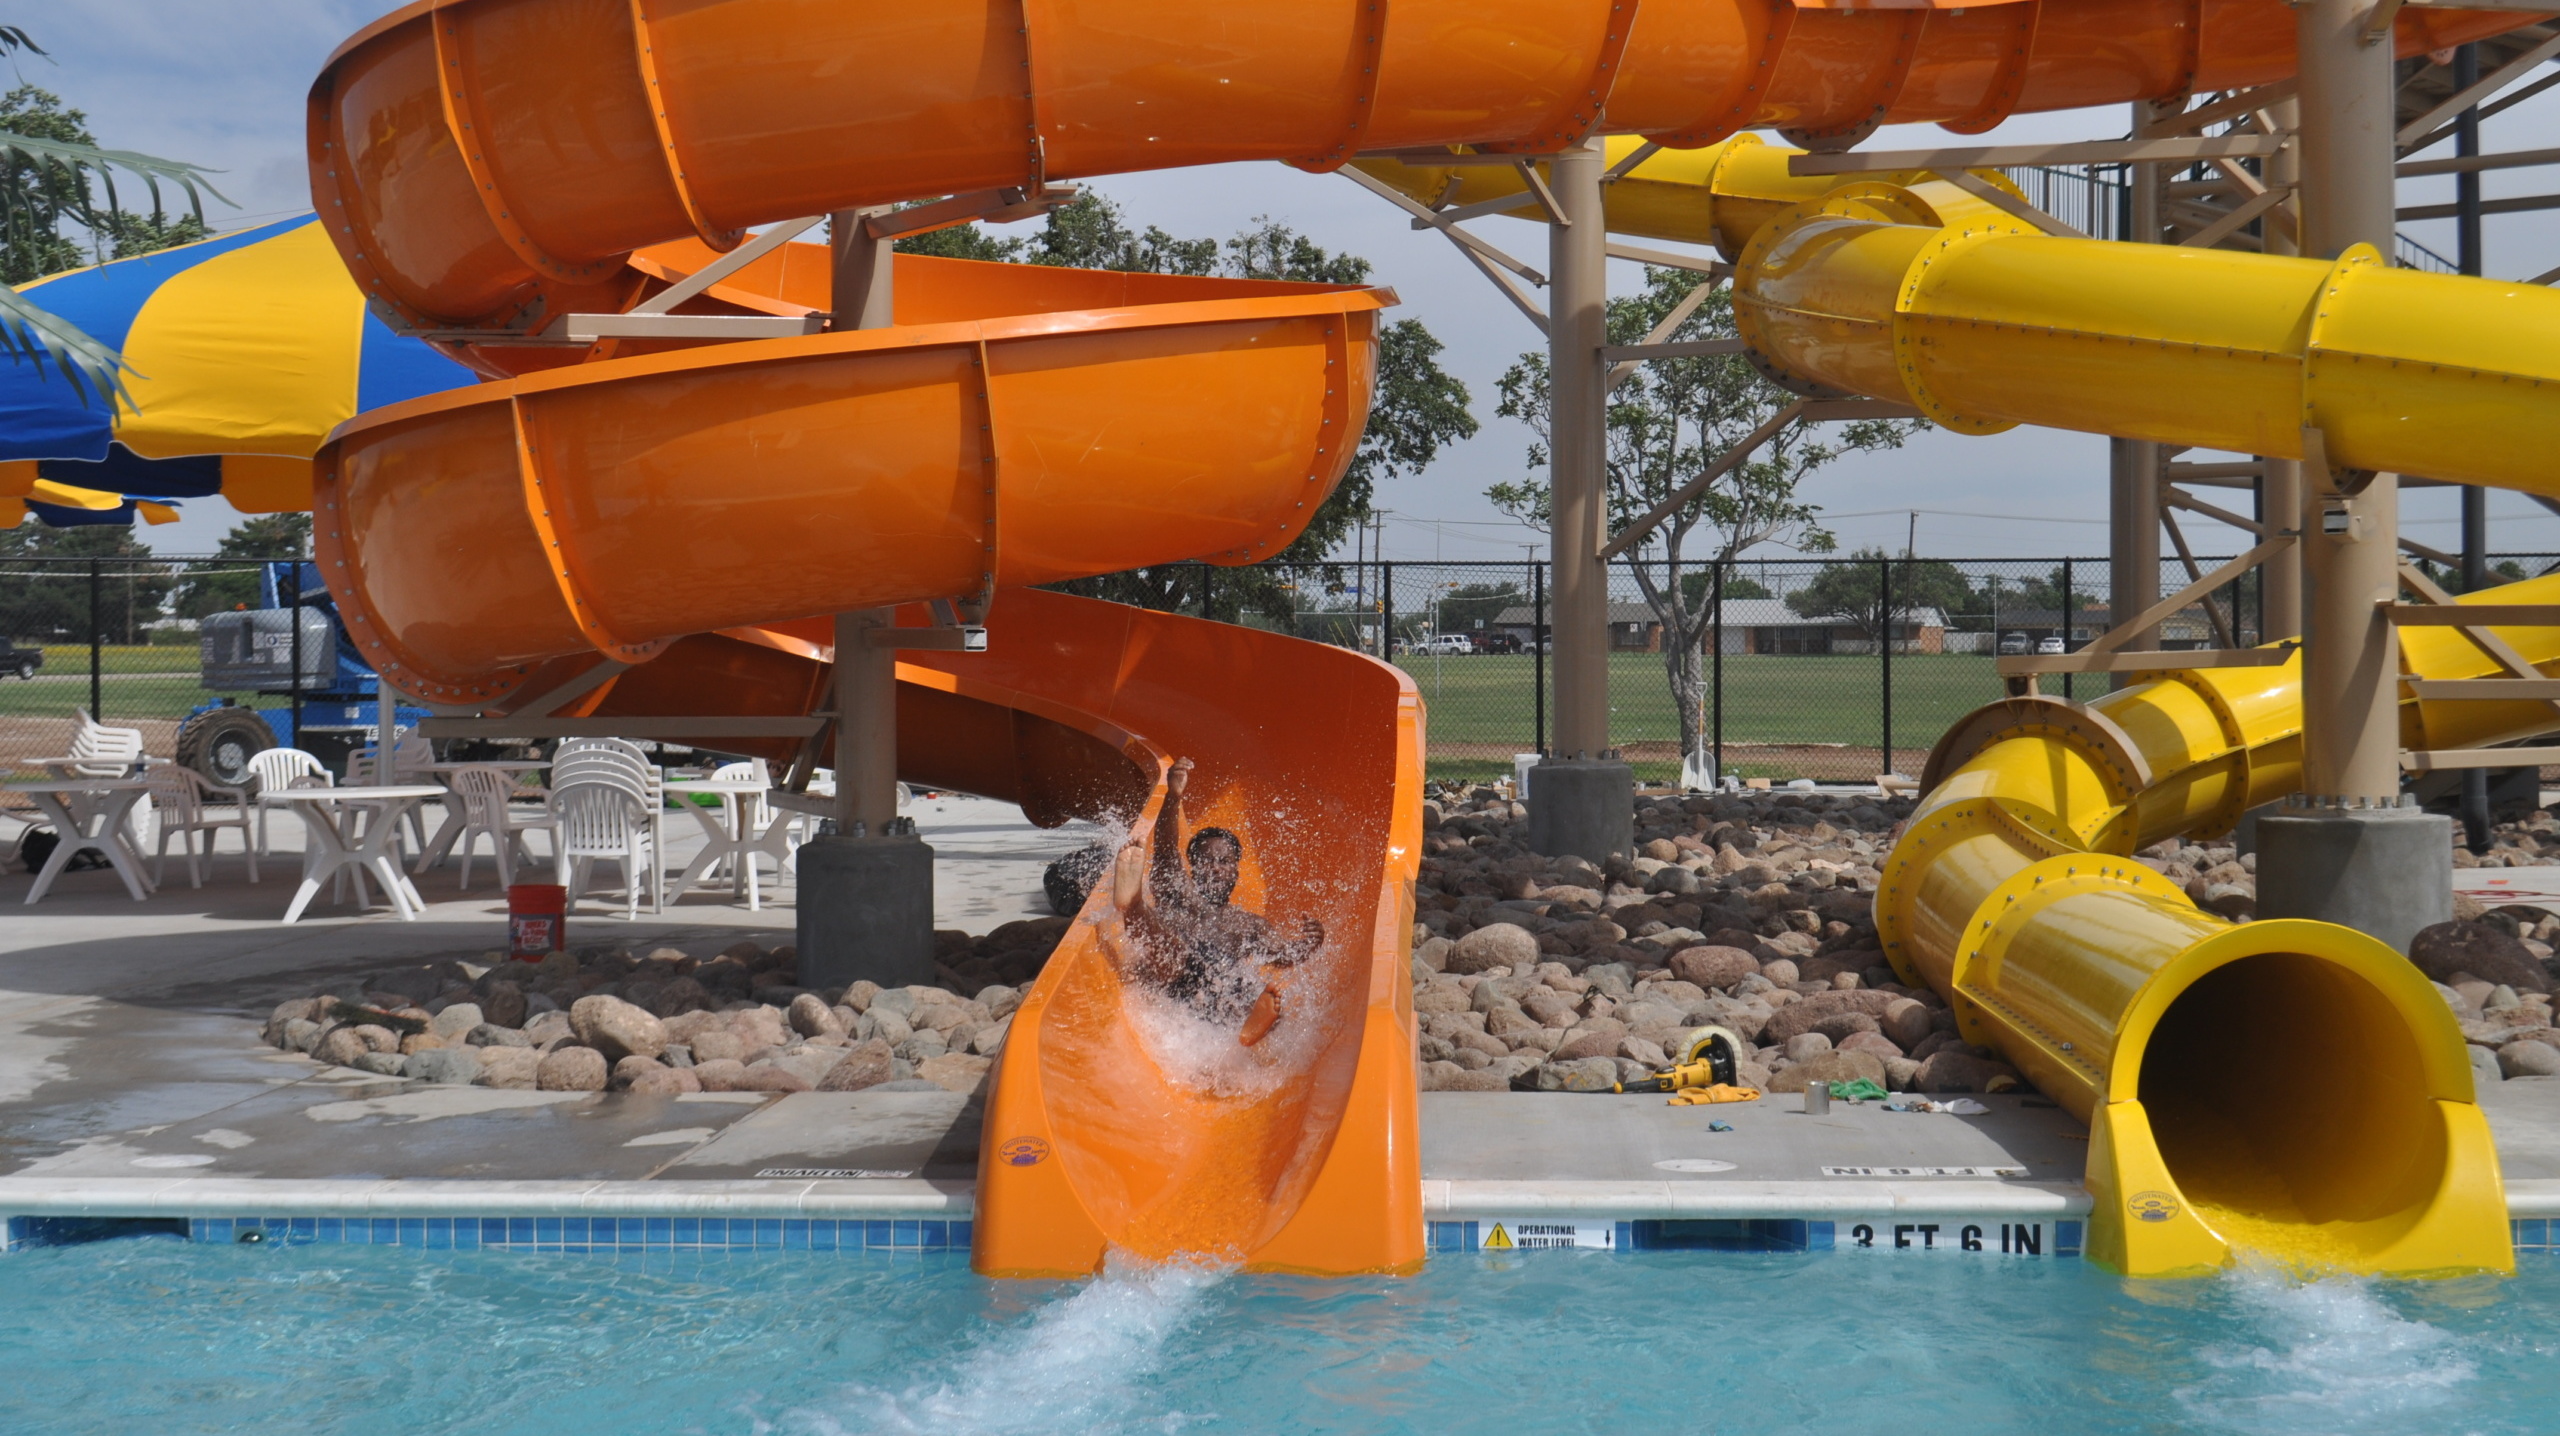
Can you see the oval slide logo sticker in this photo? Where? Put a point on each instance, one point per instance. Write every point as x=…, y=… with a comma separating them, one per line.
x=1023, y=1151
x=2152, y=1206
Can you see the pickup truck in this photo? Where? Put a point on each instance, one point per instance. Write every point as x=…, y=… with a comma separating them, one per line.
x=20, y=660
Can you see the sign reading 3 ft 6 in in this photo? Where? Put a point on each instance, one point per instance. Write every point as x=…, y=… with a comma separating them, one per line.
x=1995, y=1237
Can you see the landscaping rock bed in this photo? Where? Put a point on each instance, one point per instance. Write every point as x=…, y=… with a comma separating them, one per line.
x=669, y=1021
x=1753, y=911
x=1750, y=911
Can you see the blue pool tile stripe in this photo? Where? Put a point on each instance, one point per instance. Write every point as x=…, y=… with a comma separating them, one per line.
x=596, y=1234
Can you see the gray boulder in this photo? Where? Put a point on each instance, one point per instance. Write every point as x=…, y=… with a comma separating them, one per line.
x=571, y=1069
x=453, y=1066
x=1830, y=1067
x=455, y=1021
x=1499, y=945
x=2529, y=1058
x=617, y=1028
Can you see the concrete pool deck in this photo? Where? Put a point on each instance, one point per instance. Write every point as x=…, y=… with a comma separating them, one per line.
x=133, y=1085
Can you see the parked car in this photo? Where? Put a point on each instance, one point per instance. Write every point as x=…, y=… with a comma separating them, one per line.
x=2012, y=644
x=1451, y=643
x=1502, y=643
x=2051, y=646
x=22, y=661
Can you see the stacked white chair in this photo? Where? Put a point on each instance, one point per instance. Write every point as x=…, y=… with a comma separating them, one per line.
x=623, y=755
x=601, y=809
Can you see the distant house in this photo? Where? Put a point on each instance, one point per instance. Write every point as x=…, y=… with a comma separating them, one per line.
x=2188, y=628
x=1632, y=626
x=1767, y=625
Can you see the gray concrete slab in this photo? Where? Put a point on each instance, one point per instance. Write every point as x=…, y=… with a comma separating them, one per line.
x=844, y=1134
x=132, y=1027
x=1599, y=1137
x=400, y=1131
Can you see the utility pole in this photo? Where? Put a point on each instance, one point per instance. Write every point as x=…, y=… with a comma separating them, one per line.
x=866, y=890
x=2345, y=849
x=1582, y=799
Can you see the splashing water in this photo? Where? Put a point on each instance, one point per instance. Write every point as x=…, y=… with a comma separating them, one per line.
x=1080, y=1365
x=2325, y=1355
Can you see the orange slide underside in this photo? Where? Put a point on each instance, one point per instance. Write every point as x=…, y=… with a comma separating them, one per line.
x=692, y=513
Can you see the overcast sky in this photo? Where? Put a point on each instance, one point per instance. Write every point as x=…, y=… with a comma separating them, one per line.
x=222, y=84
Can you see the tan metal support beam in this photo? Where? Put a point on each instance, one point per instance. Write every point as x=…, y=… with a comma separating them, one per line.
x=1577, y=389
x=2351, y=658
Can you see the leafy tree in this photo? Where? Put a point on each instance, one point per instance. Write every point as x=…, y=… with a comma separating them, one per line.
x=1470, y=606
x=231, y=580
x=1855, y=591
x=49, y=163
x=1416, y=409
x=1668, y=422
x=1694, y=587
x=49, y=602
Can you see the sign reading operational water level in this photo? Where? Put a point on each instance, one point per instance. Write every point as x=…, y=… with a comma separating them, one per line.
x=1503, y=1236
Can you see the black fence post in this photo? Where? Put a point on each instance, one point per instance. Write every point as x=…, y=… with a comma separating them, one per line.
x=2070, y=603
x=1538, y=650
x=1715, y=661
x=97, y=654
x=1884, y=650
x=1387, y=611
x=293, y=628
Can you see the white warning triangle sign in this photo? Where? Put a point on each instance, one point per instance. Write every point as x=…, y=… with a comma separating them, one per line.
x=1498, y=1240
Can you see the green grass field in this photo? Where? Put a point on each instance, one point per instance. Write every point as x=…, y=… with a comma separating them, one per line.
x=1486, y=699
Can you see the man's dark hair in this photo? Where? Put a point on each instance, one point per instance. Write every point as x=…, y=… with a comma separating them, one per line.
x=1201, y=840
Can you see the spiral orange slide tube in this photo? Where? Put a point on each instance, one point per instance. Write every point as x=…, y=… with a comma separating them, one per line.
x=690, y=513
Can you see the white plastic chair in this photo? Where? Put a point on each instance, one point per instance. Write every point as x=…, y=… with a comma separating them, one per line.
x=179, y=804
x=276, y=769
x=601, y=816
x=411, y=752
x=483, y=794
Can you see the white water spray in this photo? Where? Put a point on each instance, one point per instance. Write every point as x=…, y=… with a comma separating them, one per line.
x=1080, y=1365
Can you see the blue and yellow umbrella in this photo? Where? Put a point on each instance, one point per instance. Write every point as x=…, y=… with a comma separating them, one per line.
x=245, y=350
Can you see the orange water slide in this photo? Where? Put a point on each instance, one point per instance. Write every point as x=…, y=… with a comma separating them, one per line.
x=677, y=520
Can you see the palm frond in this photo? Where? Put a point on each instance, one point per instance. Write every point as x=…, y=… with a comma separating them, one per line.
x=151, y=169
x=31, y=334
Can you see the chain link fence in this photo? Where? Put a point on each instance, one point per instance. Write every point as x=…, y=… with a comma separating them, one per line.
x=1824, y=668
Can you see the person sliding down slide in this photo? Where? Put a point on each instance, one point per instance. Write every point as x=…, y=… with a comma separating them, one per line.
x=1173, y=927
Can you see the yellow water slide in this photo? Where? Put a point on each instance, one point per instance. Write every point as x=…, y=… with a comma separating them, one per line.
x=2345, y=1134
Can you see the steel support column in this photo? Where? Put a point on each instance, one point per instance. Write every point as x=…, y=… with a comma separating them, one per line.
x=2350, y=663
x=2344, y=849
x=866, y=890
x=1578, y=438
x=1581, y=800
x=2133, y=465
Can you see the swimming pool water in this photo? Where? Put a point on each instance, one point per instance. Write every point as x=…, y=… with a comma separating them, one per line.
x=166, y=1337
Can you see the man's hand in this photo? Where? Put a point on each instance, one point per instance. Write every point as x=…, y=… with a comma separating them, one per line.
x=1179, y=777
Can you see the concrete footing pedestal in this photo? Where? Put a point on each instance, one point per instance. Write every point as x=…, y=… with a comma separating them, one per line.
x=866, y=911
x=1585, y=807
x=2386, y=871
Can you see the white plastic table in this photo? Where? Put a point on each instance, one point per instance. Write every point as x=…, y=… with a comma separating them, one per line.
x=731, y=833
x=454, y=822
x=355, y=828
x=89, y=814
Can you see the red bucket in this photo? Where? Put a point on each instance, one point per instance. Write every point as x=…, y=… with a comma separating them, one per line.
x=535, y=917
